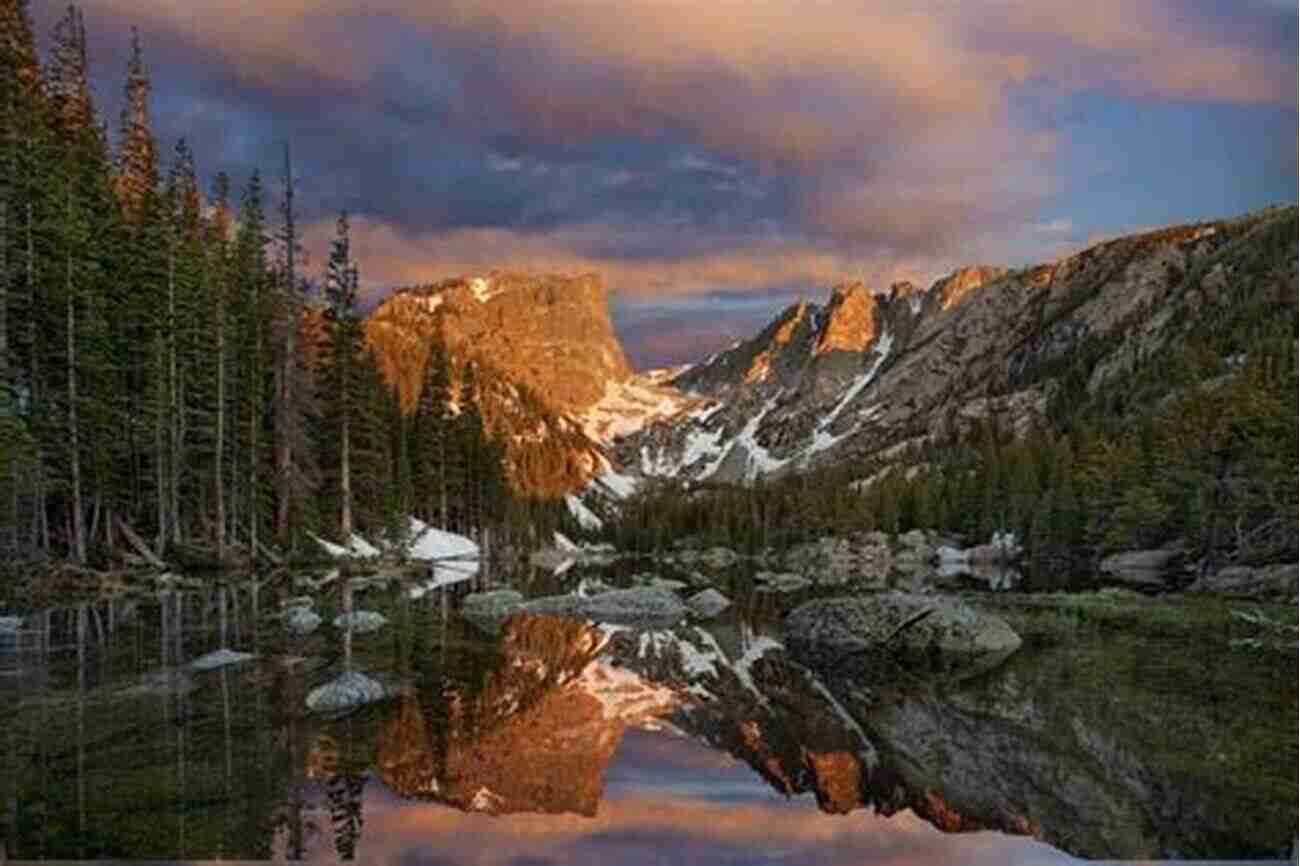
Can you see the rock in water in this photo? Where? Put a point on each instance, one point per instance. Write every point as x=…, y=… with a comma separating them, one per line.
x=488, y=610
x=708, y=603
x=219, y=659
x=362, y=621
x=1141, y=567
x=301, y=620
x=828, y=633
x=350, y=689
x=642, y=606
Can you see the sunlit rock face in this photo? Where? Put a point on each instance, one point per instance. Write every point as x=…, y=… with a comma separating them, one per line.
x=954, y=288
x=549, y=333
x=543, y=353
x=852, y=320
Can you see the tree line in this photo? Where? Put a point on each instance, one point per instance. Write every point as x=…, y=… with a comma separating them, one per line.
x=173, y=381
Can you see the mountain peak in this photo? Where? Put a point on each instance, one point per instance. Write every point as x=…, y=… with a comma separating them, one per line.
x=851, y=320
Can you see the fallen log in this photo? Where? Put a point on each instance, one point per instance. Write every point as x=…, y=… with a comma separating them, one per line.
x=271, y=556
x=138, y=543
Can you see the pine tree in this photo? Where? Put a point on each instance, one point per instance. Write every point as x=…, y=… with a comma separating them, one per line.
x=341, y=378
x=249, y=282
x=217, y=274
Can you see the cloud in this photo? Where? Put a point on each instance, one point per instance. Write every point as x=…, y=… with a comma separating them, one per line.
x=682, y=147
x=885, y=126
x=389, y=255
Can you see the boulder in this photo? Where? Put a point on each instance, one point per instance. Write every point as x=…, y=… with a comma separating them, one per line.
x=1270, y=582
x=488, y=610
x=708, y=603
x=827, y=632
x=1147, y=568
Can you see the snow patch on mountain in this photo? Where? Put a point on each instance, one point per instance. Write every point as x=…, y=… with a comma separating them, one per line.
x=627, y=407
x=822, y=437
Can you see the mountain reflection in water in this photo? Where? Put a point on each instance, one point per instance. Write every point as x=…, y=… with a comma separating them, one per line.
x=670, y=800
x=116, y=744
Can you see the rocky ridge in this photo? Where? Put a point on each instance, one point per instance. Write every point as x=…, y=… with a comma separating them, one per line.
x=867, y=375
x=870, y=375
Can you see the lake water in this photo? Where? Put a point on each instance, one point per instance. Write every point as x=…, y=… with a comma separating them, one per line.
x=1090, y=741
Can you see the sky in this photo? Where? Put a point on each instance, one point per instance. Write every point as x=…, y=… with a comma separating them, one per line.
x=716, y=160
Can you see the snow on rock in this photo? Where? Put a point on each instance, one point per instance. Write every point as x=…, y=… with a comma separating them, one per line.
x=332, y=549
x=220, y=659
x=822, y=437
x=361, y=621
x=483, y=289
x=627, y=407
x=348, y=690
x=486, y=800
x=619, y=486
x=563, y=543
x=952, y=554
x=624, y=695
x=361, y=548
x=430, y=543
x=584, y=515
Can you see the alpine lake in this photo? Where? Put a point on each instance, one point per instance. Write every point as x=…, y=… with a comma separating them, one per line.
x=192, y=723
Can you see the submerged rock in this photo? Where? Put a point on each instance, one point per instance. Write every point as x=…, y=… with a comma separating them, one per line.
x=828, y=632
x=219, y=659
x=361, y=621
x=350, y=689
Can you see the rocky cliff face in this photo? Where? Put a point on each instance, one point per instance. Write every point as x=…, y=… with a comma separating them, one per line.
x=545, y=356
x=550, y=334
x=868, y=375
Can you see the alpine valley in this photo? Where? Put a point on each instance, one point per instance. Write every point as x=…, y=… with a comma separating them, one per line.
x=872, y=384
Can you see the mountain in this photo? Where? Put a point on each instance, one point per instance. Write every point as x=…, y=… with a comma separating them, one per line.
x=868, y=375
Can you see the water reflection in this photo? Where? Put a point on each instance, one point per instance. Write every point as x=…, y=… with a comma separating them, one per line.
x=117, y=745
